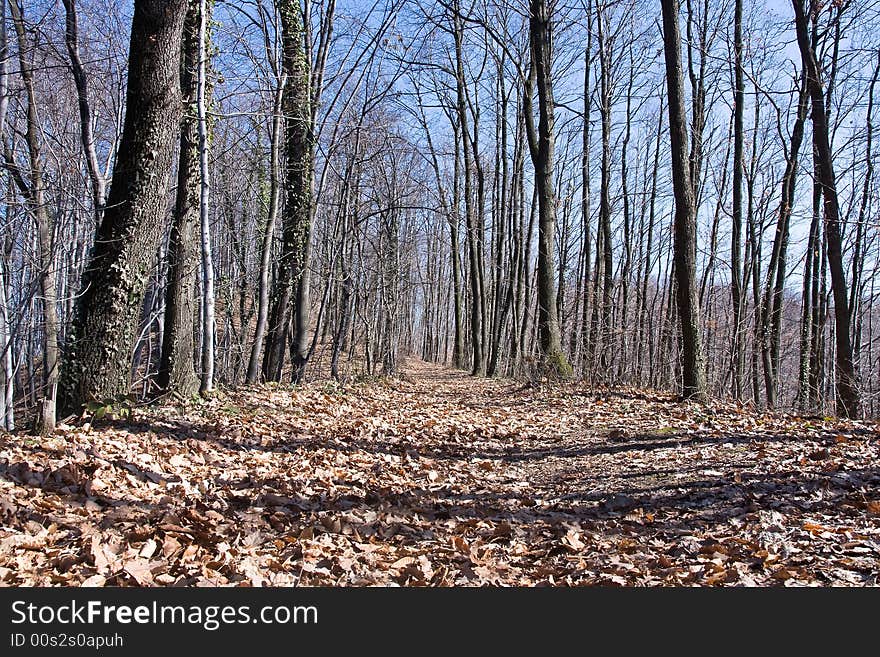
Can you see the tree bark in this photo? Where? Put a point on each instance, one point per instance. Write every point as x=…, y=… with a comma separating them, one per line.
x=736, y=228
x=290, y=304
x=98, y=358
x=693, y=366
x=176, y=372
x=541, y=147
x=208, y=328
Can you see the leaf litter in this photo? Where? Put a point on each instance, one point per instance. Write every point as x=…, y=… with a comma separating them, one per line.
x=440, y=479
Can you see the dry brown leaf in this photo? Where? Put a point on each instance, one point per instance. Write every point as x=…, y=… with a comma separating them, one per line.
x=140, y=570
x=94, y=581
x=442, y=479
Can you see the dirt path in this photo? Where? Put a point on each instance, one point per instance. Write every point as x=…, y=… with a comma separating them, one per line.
x=442, y=479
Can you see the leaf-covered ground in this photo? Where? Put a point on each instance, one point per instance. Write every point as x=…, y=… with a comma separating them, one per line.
x=441, y=479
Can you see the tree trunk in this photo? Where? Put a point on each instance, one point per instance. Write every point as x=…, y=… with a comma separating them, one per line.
x=291, y=299
x=541, y=147
x=253, y=371
x=36, y=195
x=96, y=176
x=98, y=358
x=646, y=332
x=390, y=276
x=693, y=366
x=474, y=239
x=623, y=363
x=607, y=253
x=588, y=287
x=501, y=219
x=736, y=228
x=7, y=400
x=208, y=329
x=858, y=254
x=176, y=373
x=847, y=388
x=458, y=344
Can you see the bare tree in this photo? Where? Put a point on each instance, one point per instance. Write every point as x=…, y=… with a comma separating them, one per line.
x=208, y=329
x=736, y=227
x=304, y=81
x=847, y=387
x=87, y=137
x=541, y=147
x=693, y=366
x=34, y=190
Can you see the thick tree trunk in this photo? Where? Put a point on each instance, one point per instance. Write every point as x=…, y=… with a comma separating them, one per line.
x=290, y=305
x=176, y=373
x=693, y=366
x=98, y=358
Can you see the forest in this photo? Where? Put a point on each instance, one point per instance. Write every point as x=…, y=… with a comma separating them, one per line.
x=439, y=292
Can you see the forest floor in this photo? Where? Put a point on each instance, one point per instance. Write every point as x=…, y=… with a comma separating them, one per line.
x=438, y=478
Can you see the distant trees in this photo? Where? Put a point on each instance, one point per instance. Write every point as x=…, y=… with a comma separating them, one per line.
x=536, y=190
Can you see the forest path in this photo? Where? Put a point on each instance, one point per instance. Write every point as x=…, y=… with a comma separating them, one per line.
x=440, y=478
